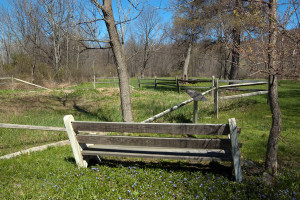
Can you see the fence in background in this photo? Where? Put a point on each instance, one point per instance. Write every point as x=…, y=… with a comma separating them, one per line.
x=179, y=84
x=106, y=80
x=236, y=87
x=12, y=81
x=175, y=83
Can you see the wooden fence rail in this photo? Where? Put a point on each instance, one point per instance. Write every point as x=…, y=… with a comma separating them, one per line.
x=22, y=81
x=31, y=127
x=151, y=119
x=238, y=83
x=112, y=80
x=175, y=83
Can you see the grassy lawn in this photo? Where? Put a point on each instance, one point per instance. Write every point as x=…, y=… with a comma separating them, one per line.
x=53, y=173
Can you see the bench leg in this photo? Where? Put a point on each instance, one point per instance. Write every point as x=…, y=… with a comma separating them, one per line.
x=236, y=155
x=74, y=144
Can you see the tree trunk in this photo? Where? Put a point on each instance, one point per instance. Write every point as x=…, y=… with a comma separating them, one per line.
x=77, y=60
x=272, y=148
x=186, y=63
x=120, y=61
x=236, y=41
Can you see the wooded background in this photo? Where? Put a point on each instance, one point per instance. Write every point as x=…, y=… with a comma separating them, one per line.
x=65, y=41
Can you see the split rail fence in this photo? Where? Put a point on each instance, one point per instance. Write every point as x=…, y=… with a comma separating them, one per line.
x=175, y=83
x=236, y=87
x=233, y=85
x=105, y=80
x=13, y=80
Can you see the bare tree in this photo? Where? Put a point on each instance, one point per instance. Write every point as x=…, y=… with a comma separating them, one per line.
x=106, y=11
x=236, y=42
x=6, y=35
x=56, y=13
x=150, y=35
x=188, y=26
x=265, y=52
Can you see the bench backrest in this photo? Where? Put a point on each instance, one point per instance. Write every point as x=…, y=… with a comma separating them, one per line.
x=170, y=128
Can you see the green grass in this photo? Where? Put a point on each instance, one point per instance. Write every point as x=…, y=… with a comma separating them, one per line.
x=53, y=173
x=42, y=175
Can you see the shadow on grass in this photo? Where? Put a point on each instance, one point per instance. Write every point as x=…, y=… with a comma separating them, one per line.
x=213, y=167
x=180, y=118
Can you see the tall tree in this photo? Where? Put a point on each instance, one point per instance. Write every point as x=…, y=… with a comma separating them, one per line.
x=265, y=53
x=272, y=148
x=149, y=35
x=187, y=26
x=105, y=10
x=236, y=41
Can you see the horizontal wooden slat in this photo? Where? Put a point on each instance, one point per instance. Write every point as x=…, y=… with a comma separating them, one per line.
x=30, y=127
x=159, y=153
x=195, y=87
x=166, y=80
x=156, y=141
x=193, y=129
x=147, y=83
x=242, y=84
x=171, y=85
x=242, y=81
x=244, y=95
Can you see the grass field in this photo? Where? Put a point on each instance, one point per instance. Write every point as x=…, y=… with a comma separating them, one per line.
x=53, y=174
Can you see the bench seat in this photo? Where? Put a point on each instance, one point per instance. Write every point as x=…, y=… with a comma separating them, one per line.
x=159, y=152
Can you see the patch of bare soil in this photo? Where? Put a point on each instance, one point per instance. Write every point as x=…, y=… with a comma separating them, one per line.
x=20, y=102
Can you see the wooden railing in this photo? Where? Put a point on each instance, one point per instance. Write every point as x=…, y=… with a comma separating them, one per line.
x=13, y=80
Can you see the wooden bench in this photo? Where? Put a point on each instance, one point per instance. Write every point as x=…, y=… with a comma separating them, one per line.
x=212, y=149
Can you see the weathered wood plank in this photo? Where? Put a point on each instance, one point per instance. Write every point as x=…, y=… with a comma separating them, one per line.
x=146, y=83
x=192, y=129
x=159, y=153
x=195, y=80
x=216, y=98
x=34, y=149
x=242, y=81
x=31, y=127
x=243, y=95
x=191, y=143
x=242, y=84
x=74, y=144
x=31, y=84
x=195, y=87
x=171, y=85
x=5, y=78
x=235, y=151
x=166, y=80
x=195, y=112
x=245, y=89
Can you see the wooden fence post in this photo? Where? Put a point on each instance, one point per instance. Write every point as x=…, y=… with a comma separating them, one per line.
x=177, y=84
x=139, y=82
x=212, y=86
x=94, y=81
x=12, y=83
x=216, y=98
x=235, y=151
x=195, y=116
x=155, y=82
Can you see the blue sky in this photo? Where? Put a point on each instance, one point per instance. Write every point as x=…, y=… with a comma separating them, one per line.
x=165, y=13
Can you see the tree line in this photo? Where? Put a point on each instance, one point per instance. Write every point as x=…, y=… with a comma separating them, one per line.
x=63, y=40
